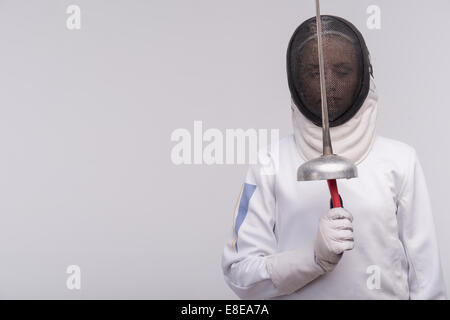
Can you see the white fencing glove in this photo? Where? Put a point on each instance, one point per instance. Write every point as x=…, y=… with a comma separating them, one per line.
x=334, y=236
x=292, y=270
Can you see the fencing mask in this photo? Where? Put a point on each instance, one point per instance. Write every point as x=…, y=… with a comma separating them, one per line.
x=347, y=70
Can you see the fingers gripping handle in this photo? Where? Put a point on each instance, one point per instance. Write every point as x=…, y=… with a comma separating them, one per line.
x=336, y=200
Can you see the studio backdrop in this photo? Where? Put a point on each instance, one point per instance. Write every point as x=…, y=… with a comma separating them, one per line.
x=126, y=130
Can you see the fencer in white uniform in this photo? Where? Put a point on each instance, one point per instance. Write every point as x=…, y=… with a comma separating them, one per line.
x=286, y=242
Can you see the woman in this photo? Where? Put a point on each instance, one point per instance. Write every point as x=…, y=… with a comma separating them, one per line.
x=286, y=242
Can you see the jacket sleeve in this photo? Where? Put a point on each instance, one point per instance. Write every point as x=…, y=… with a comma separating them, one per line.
x=251, y=265
x=417, y=233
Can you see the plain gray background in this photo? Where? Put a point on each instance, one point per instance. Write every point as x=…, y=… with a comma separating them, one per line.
x=86, y=116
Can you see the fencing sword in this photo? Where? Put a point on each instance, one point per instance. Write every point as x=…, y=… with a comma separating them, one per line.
x=328, y=166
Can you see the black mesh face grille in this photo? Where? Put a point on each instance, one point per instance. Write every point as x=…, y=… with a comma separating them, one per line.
x=347, y=69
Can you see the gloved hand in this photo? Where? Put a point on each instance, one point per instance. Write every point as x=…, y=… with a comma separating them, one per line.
x=334, y=236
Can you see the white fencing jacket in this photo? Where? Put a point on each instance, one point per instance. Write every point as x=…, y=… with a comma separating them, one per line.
x=270, y=251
